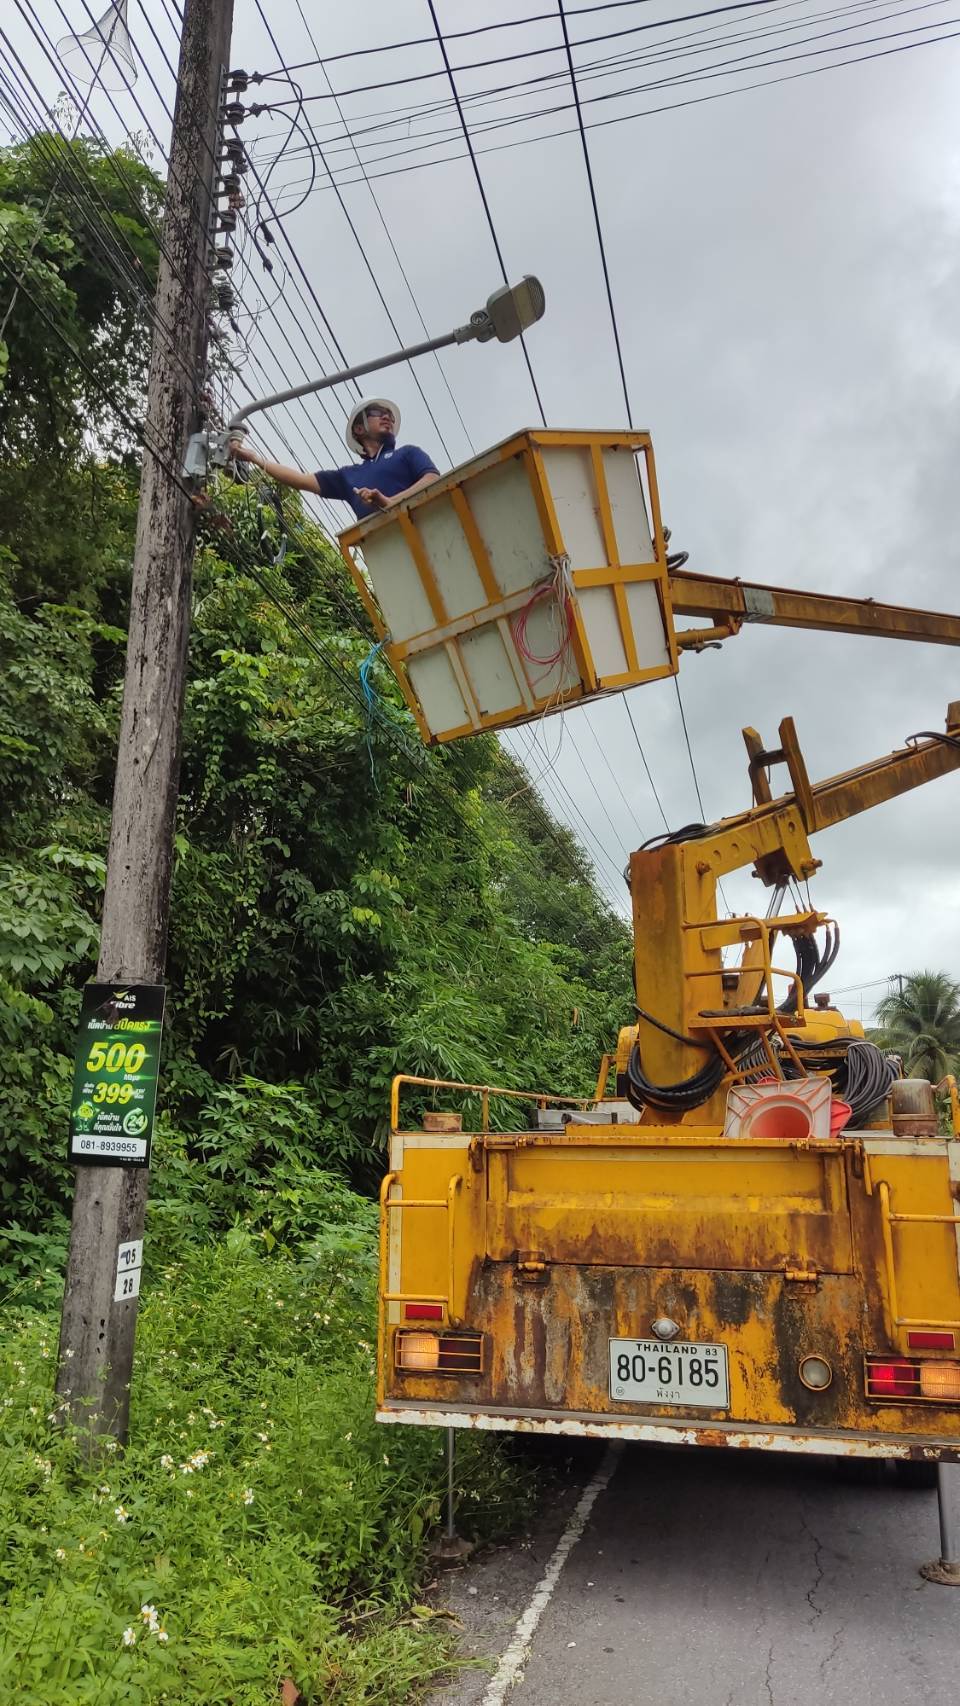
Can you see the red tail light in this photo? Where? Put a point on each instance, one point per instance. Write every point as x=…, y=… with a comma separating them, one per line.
x=423, y=1311
x=933, y=1380
x=893, y=1379
x=930, y=1341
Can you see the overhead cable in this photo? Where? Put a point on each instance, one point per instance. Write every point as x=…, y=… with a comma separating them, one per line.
x=483, y=197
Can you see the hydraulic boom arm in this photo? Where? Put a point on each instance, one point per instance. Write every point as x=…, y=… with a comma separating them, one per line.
x=730, y=603
x=684, y=999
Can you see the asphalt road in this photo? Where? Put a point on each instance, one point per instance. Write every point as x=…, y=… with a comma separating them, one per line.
x=721, y=1579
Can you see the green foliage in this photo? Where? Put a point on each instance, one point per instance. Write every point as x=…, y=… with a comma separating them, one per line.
x=258, y=1511
x=346, y=905
x=74, y=218
x=921, y=1022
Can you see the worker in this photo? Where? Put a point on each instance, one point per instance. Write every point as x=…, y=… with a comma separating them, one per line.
x=385, y=473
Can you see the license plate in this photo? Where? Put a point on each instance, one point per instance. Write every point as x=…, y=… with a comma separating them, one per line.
x=646, y=1371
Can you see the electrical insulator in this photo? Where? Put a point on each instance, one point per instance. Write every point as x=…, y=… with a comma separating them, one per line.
x=227, y=220
x=224, y=255
x=225, y=296
x=229, y=184
x=239, y=81
x=234, y=112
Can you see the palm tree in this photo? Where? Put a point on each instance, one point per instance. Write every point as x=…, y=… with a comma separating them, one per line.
x=921, y=1022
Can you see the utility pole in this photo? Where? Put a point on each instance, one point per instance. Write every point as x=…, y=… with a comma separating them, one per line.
x=97, y=1331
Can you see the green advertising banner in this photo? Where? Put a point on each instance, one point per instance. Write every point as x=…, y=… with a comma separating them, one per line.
x=115, y=1074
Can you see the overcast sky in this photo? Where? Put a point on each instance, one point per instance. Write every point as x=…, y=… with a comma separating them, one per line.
x=786, y=275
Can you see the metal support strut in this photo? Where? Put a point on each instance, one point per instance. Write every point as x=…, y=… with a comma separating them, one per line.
x=451, y=1548
x=946, y=1568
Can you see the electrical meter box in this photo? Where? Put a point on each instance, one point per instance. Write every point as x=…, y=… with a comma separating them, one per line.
x=525, y=580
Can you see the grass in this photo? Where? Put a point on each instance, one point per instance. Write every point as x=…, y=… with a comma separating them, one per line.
x=258, y=1525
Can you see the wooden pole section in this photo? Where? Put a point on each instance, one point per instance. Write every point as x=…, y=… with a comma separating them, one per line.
x=97, y=1333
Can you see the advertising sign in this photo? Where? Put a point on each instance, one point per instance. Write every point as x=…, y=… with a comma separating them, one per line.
x=115, y=1074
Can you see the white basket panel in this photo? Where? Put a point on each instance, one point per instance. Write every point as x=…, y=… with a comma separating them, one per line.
x=598, y=611
x=646, y=618
x=570, y=478
x=399, y=590
x=488, y=669
x=506, y=515
x=631, y=523
x=436, y=686
x=449, y=554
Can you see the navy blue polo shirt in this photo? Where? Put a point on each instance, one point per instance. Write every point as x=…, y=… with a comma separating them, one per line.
x=391, y=472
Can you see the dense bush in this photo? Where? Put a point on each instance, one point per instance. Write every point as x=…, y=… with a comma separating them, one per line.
x=259, y=1522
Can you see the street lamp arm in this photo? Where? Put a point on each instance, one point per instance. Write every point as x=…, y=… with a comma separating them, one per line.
x=507, y=315
x=462, y=335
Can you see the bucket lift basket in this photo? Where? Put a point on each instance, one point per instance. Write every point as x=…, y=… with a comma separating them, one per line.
x=529, y=578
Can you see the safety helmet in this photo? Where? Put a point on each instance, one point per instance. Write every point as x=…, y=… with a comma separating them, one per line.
x=361, y=408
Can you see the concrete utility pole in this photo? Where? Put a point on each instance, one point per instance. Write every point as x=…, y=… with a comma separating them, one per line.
x=97, y=1332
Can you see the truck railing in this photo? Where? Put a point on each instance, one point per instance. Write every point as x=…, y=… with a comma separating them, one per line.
x=538, y=1098
x=394, y=1205
x=888, y=1220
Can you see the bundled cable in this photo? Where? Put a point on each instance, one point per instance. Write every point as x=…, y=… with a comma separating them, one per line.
x=556, y=593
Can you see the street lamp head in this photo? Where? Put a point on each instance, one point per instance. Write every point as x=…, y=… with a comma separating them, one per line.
x=511, y=310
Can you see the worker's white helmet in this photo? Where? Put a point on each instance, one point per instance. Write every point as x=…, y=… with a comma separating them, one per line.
x=365, y=403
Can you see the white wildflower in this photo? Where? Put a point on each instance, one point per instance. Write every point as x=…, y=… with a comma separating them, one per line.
x=121, y=1514
x=60, y=1554
x=129, y=1637
x=248, y=1495
x=166, y=1461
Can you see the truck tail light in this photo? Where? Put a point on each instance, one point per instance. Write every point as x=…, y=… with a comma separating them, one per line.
x=418, y=1350
x=900, y=1378
x=423, y=1311
x=940, y=1381
x=927, y=1340
x=438, y=1353
x=887, y=1379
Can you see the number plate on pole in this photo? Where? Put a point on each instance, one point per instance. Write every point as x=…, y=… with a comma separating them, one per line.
x=647, y=1371
x=115, y=1074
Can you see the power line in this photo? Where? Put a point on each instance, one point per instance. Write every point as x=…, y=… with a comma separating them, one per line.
x=596, y=213
x=589, y=70
x=483, y=196
x=674, y=106
x=372, y=275
x=643, y=759
x=605, y=68
x=457, y=35
x=617, y=781
x=393, y=247
x=511, y=58
x=598, y=227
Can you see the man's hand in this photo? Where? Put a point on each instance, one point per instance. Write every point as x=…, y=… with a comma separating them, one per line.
x=246, y=453
x=376, y=500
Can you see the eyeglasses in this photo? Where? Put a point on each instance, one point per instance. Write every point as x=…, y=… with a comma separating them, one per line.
x=383, y=414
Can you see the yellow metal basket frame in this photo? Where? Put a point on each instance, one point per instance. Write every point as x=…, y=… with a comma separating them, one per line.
x=528, y=448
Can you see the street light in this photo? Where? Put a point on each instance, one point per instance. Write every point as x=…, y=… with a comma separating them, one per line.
x=508, y=313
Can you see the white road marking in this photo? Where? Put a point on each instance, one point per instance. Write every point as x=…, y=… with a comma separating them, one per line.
x=510, y=1668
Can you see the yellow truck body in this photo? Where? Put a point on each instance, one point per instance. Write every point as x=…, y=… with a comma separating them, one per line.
x=512, y=1260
